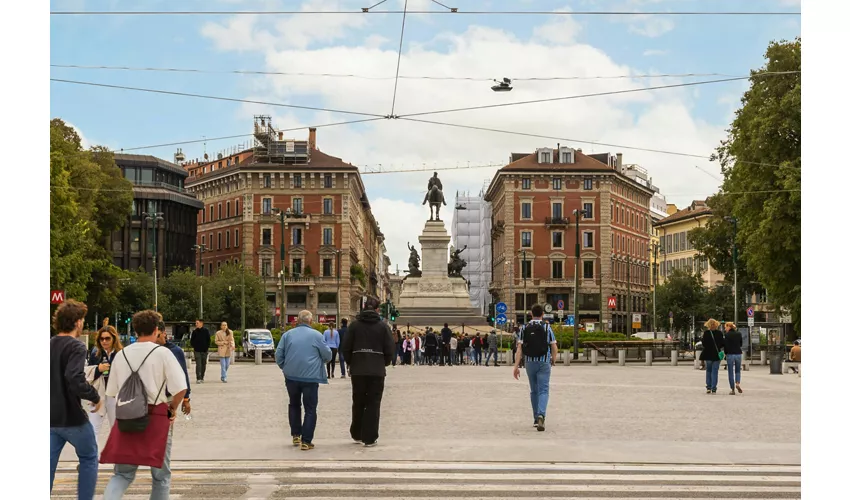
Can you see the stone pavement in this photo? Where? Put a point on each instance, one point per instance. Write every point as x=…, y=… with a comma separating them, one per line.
x=601, y=414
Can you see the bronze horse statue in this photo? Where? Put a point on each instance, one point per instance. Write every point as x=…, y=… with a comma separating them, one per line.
x=434, y=198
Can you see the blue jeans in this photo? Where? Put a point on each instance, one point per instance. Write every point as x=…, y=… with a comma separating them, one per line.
x=733, y=367
x=477, y=356
x=712, y=368
x=538, y=379
x=309, y=391
x=125, y=474
x=416, y=357
x=225, y=364
x=84, y=441
x=495, y=356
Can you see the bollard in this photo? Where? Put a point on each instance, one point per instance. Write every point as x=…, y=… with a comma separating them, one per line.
x=649, y=357
x=258, y=357
x=567, y=357
x=744, y=366
x=674, y=357
x=594, y=357
x=763, y=360
x=622, y=355
x=697, y=354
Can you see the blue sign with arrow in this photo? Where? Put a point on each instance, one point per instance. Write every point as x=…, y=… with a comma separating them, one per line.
x=570, y=320
x=501, y=319
x=501, y=308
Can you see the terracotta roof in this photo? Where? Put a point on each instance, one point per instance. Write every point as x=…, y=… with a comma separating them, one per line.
x=583, y=163
x=687, y=213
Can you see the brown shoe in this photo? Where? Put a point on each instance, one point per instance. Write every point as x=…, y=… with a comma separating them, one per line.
x=307, y=446
x=738, y=386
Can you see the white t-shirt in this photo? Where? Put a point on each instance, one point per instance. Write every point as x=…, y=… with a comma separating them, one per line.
x=161, y=366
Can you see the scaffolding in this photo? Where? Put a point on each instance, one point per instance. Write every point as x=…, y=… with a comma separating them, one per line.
x=471, y=228
x=270, y=146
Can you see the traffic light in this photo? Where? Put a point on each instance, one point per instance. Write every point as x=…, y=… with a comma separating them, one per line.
x=491, y=314
x=384, y=310
x=393, y=313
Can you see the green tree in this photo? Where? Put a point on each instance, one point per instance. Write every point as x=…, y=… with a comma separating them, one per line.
x=136, y=292
x=761, y=165
x=182, y=289
x=683, y=295
x=224, y=302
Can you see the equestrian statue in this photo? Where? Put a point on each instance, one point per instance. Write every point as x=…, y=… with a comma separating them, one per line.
x=435, y=197
x=456, y=264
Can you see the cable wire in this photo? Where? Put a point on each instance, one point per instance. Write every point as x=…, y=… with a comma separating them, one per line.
x=200, y=96
x=398, y=62
x=362, y=12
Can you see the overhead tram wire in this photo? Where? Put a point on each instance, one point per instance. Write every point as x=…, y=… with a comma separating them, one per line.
x=413, y=12
x=217, y=98
x=398, y=62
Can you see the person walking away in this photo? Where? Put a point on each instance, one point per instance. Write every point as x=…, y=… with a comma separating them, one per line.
x=733, y=347
x=200, y=341
x=331, y=338
x=446, y=337
x=162, y=339
x=342, y=330
x=397, y=340
x=408, y=350
x=417, y=350
x=68, y=421
x=226, y=346
x=453, y=351
x=712, y=353
x=301, y=355
x=794, y=355
x=493, y=349
x=369, y=348
x=537, y=344
x=431, y=347
x=477, y=344
x=108, y=344
x=159, y=373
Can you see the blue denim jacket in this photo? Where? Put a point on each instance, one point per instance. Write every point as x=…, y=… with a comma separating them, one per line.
x=301, y=354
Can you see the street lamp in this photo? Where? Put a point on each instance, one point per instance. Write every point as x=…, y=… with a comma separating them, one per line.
x=154, y=218
x=734, y=222
x=338, y=253
x=524, y=291
x=578, y=215
x=654, y=251
x=283, y=215
x=201, y=249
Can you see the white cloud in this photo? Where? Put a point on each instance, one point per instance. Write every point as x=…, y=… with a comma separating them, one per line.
x=655, y=52
x=650, y=26
x=84, y=141
x=562, y=31
x=656, y=119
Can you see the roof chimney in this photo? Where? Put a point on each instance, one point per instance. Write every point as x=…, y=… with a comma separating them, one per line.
x=280, y=136
x=620, y=162
x=311, y=141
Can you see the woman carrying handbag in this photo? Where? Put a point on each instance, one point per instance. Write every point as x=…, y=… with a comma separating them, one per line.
x=712, y=354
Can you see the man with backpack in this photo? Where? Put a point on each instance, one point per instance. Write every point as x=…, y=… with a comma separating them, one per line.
x=536, y=343
x=139, y=378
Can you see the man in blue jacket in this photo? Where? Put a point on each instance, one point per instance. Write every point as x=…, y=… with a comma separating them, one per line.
x=301, y=354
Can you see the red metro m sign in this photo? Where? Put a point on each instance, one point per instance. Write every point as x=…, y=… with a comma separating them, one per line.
x=612, y=302
x=57, y=296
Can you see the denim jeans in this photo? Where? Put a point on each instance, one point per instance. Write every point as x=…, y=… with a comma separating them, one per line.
x=733, y=367
x=309, y=391
x=83, y=440
x=495, y=355
x=416, y=356
x=477, y=356
x=125, y=474
x=538, y=380
x=712, y=369
x=225, y=364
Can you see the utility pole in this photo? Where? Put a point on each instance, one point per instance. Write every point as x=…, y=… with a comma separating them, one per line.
x=654, y=285
x=735, y=263
x=154, y=218
x=338, y=253
x=201, y=249
x=524, y=291
x=578, y=215
x=629, y=294
x=245, y=200
x=283, y=216
x=601, y=327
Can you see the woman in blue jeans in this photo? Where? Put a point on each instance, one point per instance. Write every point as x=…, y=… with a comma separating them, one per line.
x=712, y=345
x=733, y=347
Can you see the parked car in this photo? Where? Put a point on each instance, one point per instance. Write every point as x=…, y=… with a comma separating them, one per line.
x=257, y=338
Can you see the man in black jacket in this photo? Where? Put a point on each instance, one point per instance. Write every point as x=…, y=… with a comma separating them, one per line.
x=200, y=341
x=445, y=341
x=369, y=348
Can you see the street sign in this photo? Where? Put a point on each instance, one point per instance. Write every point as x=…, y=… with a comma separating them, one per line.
x=636, y=320
x=751, y=321
x=57, y=296
x=612, y=302
x=570, y=320
x=548, y=316
x=560, y=305
x=610, y=323
x=501, y=319
x=277, y=311
x=547, y=308
x=560, y=314
x=589, y=327
x=750, y=312
x=501, y=308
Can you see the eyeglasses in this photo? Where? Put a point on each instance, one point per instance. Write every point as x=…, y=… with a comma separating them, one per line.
x=105, y=338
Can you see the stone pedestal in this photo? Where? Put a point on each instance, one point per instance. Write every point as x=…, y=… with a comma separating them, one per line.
x=435, y=289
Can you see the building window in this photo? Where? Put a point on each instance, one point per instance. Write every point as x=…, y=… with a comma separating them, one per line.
x=327, y=267
x=556, y=184
x=212, y=214
x=557, y=239
x=588, y=269
x=237, y=207
x=676, y=242
x=557, y=269
x=267, y=236
x=211, y=269
x=327, y=236
x=526, y=210
x=267, y=180
x=267, y=267
x=267, y=206
x=296, y=180
x=545, y=157
x=219, y=211
x=566, y=157
x=227, y=209
x=329, y=180
x=204, y=239
x=203, y=213
x=328, y=206
x=557, y=210
x=227, y=239
x=296, y=266
x=525, y=237
x=588, y=210
x=526, y=269
x=218, y=247
x=587, y=239
x=298, y=205
x=588, y=184
x=135, y=239
x=526, y=183
x=297, y=234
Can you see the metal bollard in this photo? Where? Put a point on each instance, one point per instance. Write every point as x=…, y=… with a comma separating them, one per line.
x=744, y=366
x=622, y=355
x=649, y=357
x=763, y=360
x=567, y=357
x=594, y=357
x=258, y=357
x=674, y=357
x=697, y=354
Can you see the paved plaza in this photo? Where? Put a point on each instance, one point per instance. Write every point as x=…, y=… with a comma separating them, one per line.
x=639, y=416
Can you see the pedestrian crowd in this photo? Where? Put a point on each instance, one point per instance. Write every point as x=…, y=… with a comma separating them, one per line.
x=446, y=348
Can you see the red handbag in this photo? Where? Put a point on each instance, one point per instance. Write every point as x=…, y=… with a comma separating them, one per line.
x=140, y=448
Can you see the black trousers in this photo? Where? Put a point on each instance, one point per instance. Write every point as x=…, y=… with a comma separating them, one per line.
x=366, y=394
x=331, y=365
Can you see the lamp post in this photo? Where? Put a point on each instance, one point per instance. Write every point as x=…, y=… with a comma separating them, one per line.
x=628, y=296
x=283, y=215
x=578, y=215
x=338, y=253
x=734, y=221
x=524, y=291
x=154, y=218
x=654, y=251
x=201, y=249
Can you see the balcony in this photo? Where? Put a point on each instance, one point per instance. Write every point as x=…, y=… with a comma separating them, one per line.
x=557, y=221
x=300, y=281
x=557, y=283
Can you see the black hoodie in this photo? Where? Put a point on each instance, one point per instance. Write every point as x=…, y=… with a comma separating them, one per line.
x=368, y=346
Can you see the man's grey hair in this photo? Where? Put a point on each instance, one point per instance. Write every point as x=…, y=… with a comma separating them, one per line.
x=305, y=317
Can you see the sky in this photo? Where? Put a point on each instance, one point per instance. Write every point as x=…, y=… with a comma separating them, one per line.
x=623, y=49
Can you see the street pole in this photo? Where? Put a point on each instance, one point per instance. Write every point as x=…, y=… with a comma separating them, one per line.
x=283, y=215
x=201, y=249
x=338, y=298
x=654, y=286
x=154, y=218
x=601, y=327
x=629, y=295
x=735, y=265
x=577, y=214
x=524, y=291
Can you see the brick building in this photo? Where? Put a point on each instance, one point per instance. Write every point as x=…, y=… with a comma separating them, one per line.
x=330, y=224
x=533, y=199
